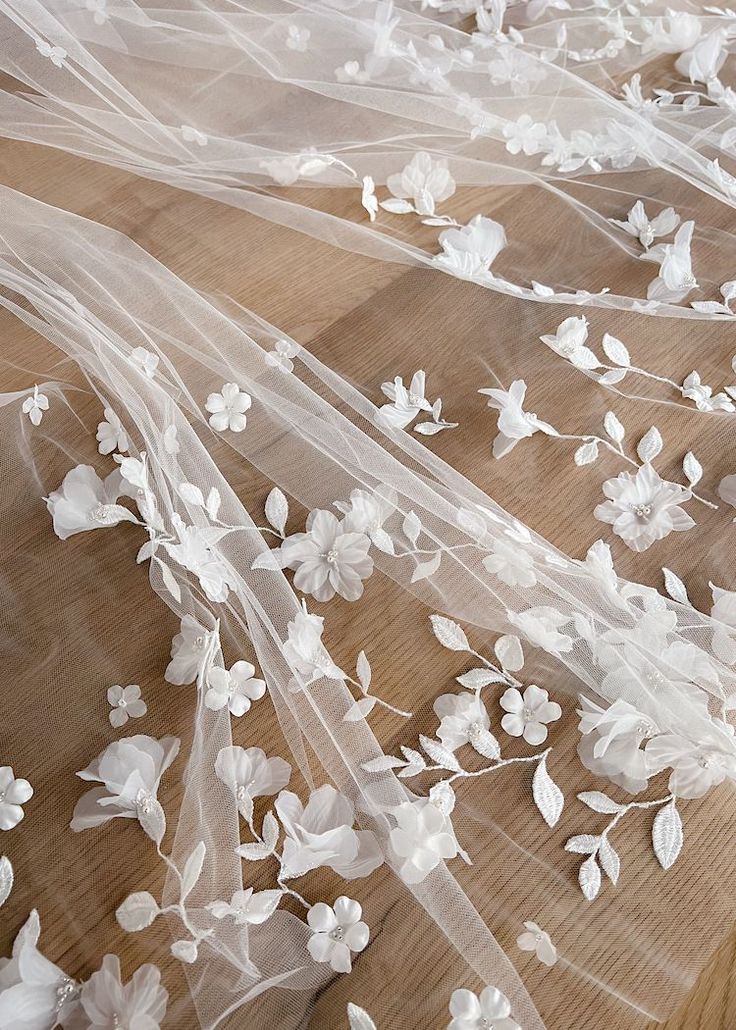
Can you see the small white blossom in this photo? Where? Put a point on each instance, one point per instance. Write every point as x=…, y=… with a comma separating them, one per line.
x=569, y=341
x=535, y=939
x=194, y=552
x=675, y=279
x=228, y=408
x=336, y=932
x=249, y=774
x=527, y=714
x=297, y=37
x=99, y=11
x=126, y=704
x=145, y=361
x=280, y=357
x=235, y=688
x=13, y=795
x=55, y=54
x=35, y=405
x=646, y=229
x=111, y=435
x=611, y=743
x=703, y=61
x=367, y=512
x=644, y=508
x=511, y=563
x=422, y=837
x=304, y=650
x=470, y=250
x=463, y=719
x=406, y=403
x=84, y=502
x=524, y=135
x=541, y=626
x=108, y=1002
x=187, y=652
x=695, y=767
x=424, y=181
x=492, y=1010
x=514, y=423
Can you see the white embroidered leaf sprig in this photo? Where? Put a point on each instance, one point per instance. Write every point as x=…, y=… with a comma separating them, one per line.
x=6, y=879
x=613, y=427
x=548, y=797
x=449, y=634
x=667, y=835
x=616, y=351
x=692, y=468
x=439, y=754
x=277, y=510
x=358, y=1018
x=650, y=445
x=675, y=587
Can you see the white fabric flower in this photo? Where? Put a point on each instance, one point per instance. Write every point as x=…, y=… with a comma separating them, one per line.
x=286, y=170
x=527, y=714
x=145, y=361
x=535, y=939
x=675, y=279
x=169, y=440
x=297, y=37
x=695, y=767
x=126, y=704
x=672, y=34
x=367, y=512
x=247, y=907
x=511, y=563
x=368, y=197
x=304, y=650
x=34, y=993
x=130, y=771
x=541, y=627
x=524, y=135
x=235, y=688
x=111, y=434
x=35, y=405
x=194, y=552
x=98, y=10
x=491, y=1010
x=514, y=423
x=328, y=558
x=464, y=720
x=84, y=502
x=424, y=181
x=406, y=403
x=612, y=741
x=13, y=794
x=646, y=229
x=249, y=774
x=569, y=341
x=703, y=61
x=322, y=834
x=337, y=931
x=191, y=135
x=423, y=837
x=228, y=408
x=469, y=251
x=188, y=649
x=705, y=400
x=281, y=355
x=55, y=54
x=140, y=1004
x=644, y=508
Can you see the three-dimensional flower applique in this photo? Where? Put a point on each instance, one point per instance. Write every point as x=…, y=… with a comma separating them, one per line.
x=286, y=170
x=30, y=984
x=527, y=713
x=568, y=340
x=469, y=251
x=537, y=940
x=84, y=502
x=675, y=279
x=672, y=34
x=514, y=423
x=228, y=408
x=424, y=181
x=644, y=508
x=126, y=703
x=322, y=834
x=304, y=650
x=422, y=837
x=35, y=405
x=235, y=688
x=297, y=37
x=194, y=552
x=703, y=61
x=695, y=767
x=646, y=229
x=511, y=563
x=337, y=931
x=368, y=198
x=705, y=400
x=524, y=135
x=249, y=774
x=13, y=795
x=108, y=1002
x=464, y=720
x=541, y=626
x=145, y=361
x=611, y=742
x=328, y=558
x=56, y=54
x=111, y=434
x=130, y=772
x=247, y=907
x=471, y=1012
x=406, y=402
x=98, y=8
x=188, y=650
x=281, y=355
x=368, y=511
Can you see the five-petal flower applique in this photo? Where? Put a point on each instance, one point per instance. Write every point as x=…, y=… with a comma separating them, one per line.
x=422, y=837
x=233, y=688
x=111, y=434
x=13, y=795
x=644, y=508
x=228, y=408
x=527, y=713
x=337, y=931
x=489, y=1010
x=329, y=558
x=126, y=703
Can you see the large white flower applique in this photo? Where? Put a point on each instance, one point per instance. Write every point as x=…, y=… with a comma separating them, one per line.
x=248, y=773
x=368, y=511
x=696, y=767
x=422, y=838
x=675, y=279
x=32, y=985
x=612, y=742
x=328, y=558
x=107, y=1002
x=469, y=251
x=514, y=423
x=129, y=771
x=643, y=508
x=189, y=650
x=84, y=502
x=304, y=650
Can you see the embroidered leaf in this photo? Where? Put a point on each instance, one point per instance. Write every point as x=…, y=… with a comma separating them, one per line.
x=152, y=819
x=359, y=710
x=383, y=763
x=432, y=428
x=608, y=858
x=439, y=753
x=613, y=427
x=589, y=878
x=6, y=879
x=650, y=445
x=213, y=502
x=509, y=653
x=363, y=671
x=412, y=756
x=252, y=852
x=611, y=378
x=477, y=678
x=547, y=795
x=486, y=744
x=191, y=494
x=667, y=835
x=381, y=540
x=396, y=206
x=192, y=869
x=584, y=844
x=675, y=587
x=137, y=911
x=277, y=510
x=615, y=351
x=600, y=802
x=170, y=581
x=185, y=951
x=426, y=569
x=692, y=468
x=411, y=527
x=270, y=830
x=147, y=551
x=449, y=633
x=359, y=1019
x=587, y=453
x=411, y=770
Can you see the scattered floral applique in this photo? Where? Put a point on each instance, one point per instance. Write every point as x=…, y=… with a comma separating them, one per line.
x=7, y=878
x=514, y=423
x=108, y=1002
x=85, y=502
x=328, y=559
x=35, y=405
x=644, y=508
x=145, y=361
x=646, y=229
x=248, y=773
x=537, y=940
x=675, y=279
x=126, y=703
x=424, y=181
x=98, y=9
x=228, y=408
x=247, y=906
x=297, y=38
x=188, y=652
x=281, y=355
x=111, y=434
x=470, y=1011
x=406, y=404
x=527, y=713
x=233, y=688
x=13, y=795
x=56, y=54
x=337, y=930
